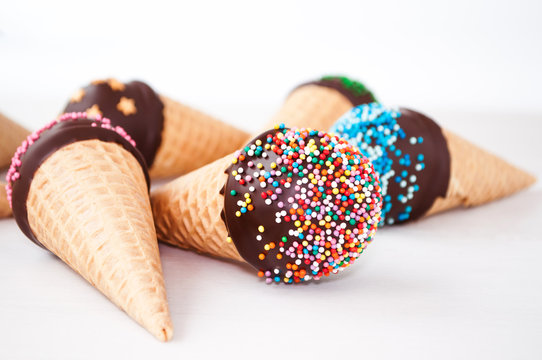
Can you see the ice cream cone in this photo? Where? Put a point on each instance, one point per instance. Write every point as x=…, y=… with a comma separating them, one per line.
x=187, y=211
x=11, y=136
x=477, y=176
x=88, y=203
x=426, y=169
x=241, y=206
x=173, y=138
x=318, y=104
x=5, y=210
x=311, y=106
x=191, y=139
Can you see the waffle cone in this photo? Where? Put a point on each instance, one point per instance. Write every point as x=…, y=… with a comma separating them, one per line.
x=5, y=210
x=88, y=204
x=477, y=176
x=11, y=136
x=311, y=106
x=187, y=211
x=191, y=139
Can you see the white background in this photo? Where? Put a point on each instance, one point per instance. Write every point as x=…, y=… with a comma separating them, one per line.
x=465, y=284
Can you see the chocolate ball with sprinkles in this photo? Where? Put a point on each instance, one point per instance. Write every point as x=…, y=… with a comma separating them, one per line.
x=318, y=104
x=167, y=133
x=296, y=204
x=424, y=169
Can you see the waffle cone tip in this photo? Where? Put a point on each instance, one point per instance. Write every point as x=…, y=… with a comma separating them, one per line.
x=162, y=330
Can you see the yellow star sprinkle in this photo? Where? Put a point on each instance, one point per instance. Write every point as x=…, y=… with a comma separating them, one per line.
x=94, y=110
x=116, y=85
x=78, y=96
x=126, y=106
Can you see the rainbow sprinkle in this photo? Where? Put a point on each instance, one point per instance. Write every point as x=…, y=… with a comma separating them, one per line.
x=326, y=201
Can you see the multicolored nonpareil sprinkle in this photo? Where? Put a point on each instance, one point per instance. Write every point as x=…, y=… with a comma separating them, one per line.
x=301, y=204
x=395, y=141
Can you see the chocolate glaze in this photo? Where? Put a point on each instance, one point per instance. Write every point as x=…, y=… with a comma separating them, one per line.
x=336, y=83
x=60, y=135
x=433, y=180
x=243, y=230
x=144, y=126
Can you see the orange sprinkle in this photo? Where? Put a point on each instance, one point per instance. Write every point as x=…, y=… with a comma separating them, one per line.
x=272, y=245
x=260, y=273
x=250, y=207
x=261, y=256
x=279, y=256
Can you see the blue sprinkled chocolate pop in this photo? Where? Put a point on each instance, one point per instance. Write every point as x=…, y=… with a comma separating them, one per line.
x=408, y=151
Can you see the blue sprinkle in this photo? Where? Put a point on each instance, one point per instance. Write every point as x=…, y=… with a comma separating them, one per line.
x=374, y=129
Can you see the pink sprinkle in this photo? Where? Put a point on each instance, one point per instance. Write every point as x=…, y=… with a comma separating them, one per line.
x=13, y=173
